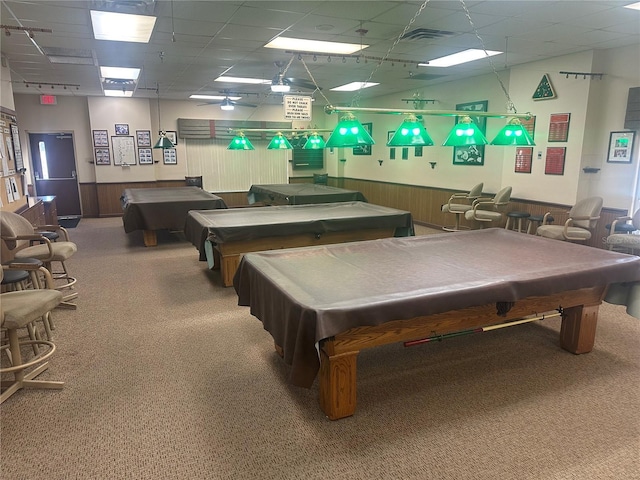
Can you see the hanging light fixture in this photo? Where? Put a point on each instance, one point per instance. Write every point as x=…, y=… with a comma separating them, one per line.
x=279, y=142
x=278, y=85
x=226, y=104
x=349, y=133
x=163, y=142
x=240, y=142
x=513, y=133
x=410, y=134
x=464, y=133
x=314, y=142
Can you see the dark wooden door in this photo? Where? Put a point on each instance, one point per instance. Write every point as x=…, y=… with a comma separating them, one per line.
x=54, y=169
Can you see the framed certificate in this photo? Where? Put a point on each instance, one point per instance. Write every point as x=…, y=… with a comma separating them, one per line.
x=100, y=138
x=144, y=138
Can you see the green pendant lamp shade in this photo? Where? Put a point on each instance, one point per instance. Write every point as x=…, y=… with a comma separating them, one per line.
x=279, y=142
x=240, y=142
x=465, y=133
x=314, y=142
x=349, y=133
x=163, y=142
x=410, y=134
x=513, y=133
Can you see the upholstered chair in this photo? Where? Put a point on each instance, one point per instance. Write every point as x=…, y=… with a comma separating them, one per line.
x=19, y=310
x=488, y=211
x=25, y=242
x=459, y=204
x=625, y=242
x=583, y=218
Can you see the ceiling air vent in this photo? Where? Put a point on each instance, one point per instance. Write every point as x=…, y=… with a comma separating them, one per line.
x=427, y=33
x=74, y=56
x=424, y=76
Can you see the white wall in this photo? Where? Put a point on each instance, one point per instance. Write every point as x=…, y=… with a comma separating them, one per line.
x=69, y=115
x=6, y=90
x=597, y=107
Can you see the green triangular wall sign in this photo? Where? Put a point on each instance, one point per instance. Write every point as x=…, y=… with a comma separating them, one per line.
x=545, y=90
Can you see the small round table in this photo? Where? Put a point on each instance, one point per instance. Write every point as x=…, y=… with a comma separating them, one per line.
x=516, y=215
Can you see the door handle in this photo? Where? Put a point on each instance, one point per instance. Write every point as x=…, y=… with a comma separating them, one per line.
x=73, y=174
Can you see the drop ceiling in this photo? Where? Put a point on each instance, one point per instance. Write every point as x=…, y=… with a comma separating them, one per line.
x=194, y=42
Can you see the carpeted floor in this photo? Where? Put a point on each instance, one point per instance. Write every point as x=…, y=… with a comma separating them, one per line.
x=167, y=378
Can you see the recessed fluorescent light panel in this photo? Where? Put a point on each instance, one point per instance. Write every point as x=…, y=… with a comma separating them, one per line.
x=353, y=86
x=213, y=97
x=120, y=72
x=460, y=57
x=634, y=6
x=253, y=81
x=317, y=46
x=118, y=93
x=122, y=27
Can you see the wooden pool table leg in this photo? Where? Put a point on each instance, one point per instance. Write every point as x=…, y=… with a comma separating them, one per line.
x=338, y=384
x=228, y=266
x=150, y=238
x=578, y=330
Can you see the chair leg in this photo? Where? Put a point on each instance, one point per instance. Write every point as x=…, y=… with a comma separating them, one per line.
x=22, y=379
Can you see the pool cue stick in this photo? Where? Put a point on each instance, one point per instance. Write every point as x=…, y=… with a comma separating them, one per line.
x=498, y=326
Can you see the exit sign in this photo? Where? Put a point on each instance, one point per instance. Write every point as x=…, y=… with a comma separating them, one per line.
x=48, y=100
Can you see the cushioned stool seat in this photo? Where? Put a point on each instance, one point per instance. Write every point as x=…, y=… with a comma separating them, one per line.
x=516, y=216
x=15, y=279
x=52, y=236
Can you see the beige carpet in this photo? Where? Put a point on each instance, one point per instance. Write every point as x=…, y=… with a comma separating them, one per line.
x=167, y=378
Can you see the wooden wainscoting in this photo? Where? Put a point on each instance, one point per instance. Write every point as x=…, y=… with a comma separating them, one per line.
x=425, y=204
x=103, y=199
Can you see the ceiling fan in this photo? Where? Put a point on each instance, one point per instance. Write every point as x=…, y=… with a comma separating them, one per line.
x=282, y=84
x=228, y=102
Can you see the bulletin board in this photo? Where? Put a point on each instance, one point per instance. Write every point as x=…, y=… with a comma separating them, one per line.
x=12, y=196
x=124, y=150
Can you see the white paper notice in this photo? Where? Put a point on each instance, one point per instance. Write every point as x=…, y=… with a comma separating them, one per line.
x=297, y=107
x=9, y=190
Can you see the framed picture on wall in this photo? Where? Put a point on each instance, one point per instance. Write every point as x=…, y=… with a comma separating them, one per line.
x=145, y=156
x=122, y=129
x=169, y=156
x=144, y=138
x=392, y=150
x=472, y=154
x=524, y=156
x=102, y=156
x=364, y=149
x=100, y=138
x=554, y=162
x=620, y=147
x=172, y=135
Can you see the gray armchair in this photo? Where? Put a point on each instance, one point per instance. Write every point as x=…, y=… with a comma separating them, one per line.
x=624, y=242
x=459, y=203
x=24, y=241
x=19, y=310
x=583, y=218
x=485, y=211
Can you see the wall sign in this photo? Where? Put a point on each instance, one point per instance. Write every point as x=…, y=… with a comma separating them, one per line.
x=297, y=107
x=545, y=90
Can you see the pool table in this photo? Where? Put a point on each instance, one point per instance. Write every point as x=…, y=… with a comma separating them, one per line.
x=300, y=194
x=322, y=305
x=151, y=209
x=223, y=236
